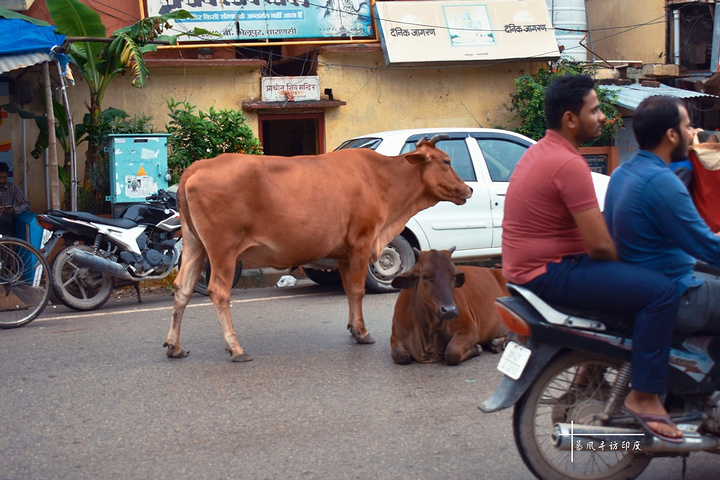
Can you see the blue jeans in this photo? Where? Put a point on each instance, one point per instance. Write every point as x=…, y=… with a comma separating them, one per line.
x=582, y=282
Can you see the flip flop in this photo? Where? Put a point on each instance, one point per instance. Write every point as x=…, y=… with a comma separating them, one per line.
x=643, y=418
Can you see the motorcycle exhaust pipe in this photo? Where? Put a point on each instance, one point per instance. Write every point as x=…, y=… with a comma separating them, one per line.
x=94, y=262
x=567, y=436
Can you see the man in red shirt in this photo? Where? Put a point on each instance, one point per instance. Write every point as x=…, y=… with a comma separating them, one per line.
x=555, y=243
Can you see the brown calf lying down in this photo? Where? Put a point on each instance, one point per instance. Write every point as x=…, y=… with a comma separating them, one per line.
x=444, y=311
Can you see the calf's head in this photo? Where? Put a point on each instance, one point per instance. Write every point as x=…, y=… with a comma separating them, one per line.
x=433, y=277
x=440, y=180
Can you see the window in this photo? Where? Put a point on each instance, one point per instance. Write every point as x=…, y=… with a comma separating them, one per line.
x=459, y=156
x=371, y=143
x=501, y=156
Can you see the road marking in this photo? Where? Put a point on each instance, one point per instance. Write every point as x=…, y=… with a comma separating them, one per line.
x=157, y=309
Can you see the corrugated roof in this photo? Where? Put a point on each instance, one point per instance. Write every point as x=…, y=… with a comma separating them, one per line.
x=630, y=96
x=13, y=62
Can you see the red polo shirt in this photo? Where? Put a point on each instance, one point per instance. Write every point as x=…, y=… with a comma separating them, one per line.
x=551, y=180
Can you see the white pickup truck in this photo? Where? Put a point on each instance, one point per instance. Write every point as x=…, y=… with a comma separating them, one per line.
x=484, y=158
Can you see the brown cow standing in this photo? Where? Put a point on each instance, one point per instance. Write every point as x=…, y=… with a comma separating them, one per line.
x=285, y=211
x=444, y=311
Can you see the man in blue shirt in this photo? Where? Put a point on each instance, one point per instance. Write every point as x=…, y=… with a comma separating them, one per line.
x=655, y=224
x=652, y=218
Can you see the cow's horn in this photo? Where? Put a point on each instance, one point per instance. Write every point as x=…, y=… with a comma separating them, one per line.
x=417, y=144
x=438, y=137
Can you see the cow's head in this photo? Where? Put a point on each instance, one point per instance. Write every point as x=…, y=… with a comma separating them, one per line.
x=439, y=178
x=434, y=277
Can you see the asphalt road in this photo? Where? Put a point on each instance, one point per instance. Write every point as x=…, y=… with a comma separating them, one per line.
x=92, y=395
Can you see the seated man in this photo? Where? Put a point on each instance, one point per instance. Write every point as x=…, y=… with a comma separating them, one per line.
x=556, y=244
x=12, y=201
x=653, y=220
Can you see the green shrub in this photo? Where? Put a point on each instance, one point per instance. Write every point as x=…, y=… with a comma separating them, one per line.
x=528, y=103
x=195, y=136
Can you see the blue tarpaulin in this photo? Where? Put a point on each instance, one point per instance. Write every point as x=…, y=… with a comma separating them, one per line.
x=18, y=36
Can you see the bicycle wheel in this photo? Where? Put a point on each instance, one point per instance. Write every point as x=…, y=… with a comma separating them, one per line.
x=24, y=282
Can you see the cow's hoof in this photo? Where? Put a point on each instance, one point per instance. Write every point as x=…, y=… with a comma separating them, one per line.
x=497, y=345
x=173, y=352
x=364, y=339
x=241, y=357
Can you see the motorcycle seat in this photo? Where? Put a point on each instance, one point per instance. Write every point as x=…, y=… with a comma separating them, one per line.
x=89, y=217
x=599, y=320
x=590, y=319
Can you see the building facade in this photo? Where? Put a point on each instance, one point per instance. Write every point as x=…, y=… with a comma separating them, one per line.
x=361, y=89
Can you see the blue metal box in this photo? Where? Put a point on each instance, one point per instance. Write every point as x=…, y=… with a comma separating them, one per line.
x=138, y=166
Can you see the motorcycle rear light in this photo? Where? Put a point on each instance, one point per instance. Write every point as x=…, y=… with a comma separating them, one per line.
x=514, y=322
x=44, y=223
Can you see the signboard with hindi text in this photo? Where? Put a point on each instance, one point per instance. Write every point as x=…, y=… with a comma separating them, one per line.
x=461, y=31
x=291, y=89
x=234, y=20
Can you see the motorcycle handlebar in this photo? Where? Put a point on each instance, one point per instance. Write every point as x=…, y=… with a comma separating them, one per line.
x=160, y=196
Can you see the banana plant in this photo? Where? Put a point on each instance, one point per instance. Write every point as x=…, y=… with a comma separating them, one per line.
x=100, y=59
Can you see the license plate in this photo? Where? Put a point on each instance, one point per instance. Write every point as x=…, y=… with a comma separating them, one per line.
x=514, y=359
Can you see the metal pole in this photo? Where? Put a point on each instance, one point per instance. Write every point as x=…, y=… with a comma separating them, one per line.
x=52, y=140
x=676, y=37
x=24, y=156
x=715, y=55
x=71, y=132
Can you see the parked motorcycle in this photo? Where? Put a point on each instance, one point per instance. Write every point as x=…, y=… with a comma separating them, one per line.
x=101, y=254
x=567, y=373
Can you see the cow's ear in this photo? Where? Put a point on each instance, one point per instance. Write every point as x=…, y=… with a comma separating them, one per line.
x=459, y=279
x=405, y=281
x=415, y=157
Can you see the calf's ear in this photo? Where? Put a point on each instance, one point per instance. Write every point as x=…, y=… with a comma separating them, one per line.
x=459, y=279
x=405, y=281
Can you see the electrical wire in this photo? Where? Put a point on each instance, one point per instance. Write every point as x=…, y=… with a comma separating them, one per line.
x=125, y=15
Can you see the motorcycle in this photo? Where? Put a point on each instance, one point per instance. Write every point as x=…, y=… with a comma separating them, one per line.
x=567, y=373
x=101, y=254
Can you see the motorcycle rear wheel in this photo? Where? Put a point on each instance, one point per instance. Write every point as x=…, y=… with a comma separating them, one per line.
x=201, y=286
x=78, y=287
x=555, y=398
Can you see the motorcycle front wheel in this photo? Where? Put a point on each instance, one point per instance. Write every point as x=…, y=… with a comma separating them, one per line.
x=78, y=287
x=562, y=395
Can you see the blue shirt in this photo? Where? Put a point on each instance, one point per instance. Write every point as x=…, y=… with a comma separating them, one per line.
x=654, y=222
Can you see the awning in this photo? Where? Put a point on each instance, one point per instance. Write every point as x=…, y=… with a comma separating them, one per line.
x=630, y=96
x=23, y=44
x=13, y=62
